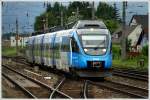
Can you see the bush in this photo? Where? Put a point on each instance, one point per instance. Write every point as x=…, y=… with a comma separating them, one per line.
x=116, y=51
x=112, y=25
x=145, y=50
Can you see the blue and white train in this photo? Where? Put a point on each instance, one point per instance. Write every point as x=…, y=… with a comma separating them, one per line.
x=85, y=49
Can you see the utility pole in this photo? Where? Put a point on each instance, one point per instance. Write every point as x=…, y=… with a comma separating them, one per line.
x=46, y=20
x=123, y=45
x=93, y=12
x=77, y=14
x=17, y=36
x=44, y=24
x=61, y=14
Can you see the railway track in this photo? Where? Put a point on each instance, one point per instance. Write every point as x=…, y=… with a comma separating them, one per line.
x=28, y=93
x=131, y=74
x=124, y=73
x=134, y=71
x=49, y=88
x=84, y=92
x=57, y=88
x=132, y=91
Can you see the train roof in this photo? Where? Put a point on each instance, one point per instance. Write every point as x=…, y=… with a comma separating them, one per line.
x=84, y=24
x=62, y=32
x=70, y=32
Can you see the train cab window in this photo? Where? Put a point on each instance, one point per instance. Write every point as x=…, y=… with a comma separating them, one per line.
x=75, y=47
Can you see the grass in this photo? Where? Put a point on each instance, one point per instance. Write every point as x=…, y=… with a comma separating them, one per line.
x=8, y=51
x=128, y=63
x=11, y=51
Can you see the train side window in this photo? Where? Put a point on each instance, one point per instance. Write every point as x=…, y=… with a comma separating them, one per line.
x=75, y=47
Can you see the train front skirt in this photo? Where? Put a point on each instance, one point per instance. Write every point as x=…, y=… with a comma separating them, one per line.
x=89, y=73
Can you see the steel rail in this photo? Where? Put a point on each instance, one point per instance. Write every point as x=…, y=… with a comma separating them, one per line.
x=125, y=85
x=38, y=82
x=54, y=91
x=85, y=90
x=118, y=90
x=130, y=76
x=131, y=73
x=21, y=87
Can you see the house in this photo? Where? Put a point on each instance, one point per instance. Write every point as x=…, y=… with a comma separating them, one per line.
x=21, y=41
x=11, y=42
x=140, y=35
x=136, y=32
x=117, y=35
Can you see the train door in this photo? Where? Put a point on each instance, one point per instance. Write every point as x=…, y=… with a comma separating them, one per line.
x=28, y=50
x=65, y=53
x=44, y=50
x=53, y=50
x=41, y=50
x=49, y=58
x=33, y=49
x=75, y=53
x=57, y=52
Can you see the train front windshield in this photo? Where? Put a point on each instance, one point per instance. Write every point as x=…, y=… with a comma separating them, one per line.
x=94, y=44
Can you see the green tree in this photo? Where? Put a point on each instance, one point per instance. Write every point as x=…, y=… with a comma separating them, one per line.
x=83, y=7
x=111, y=24
x=116, y=14
x=145, y=50
x=53, y=17
x=38, y=25
x=49, y=8
x=105, y=11
x=128, y=44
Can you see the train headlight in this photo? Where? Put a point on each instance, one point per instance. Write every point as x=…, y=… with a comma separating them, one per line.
x=104, y=50
x=85, y=50
x=92, y=29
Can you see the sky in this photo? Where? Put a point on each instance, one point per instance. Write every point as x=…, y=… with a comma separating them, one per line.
x=19, y=10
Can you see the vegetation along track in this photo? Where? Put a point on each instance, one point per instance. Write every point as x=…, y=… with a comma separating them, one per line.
x=42, y=85
x=132, y=91
x=131, y=74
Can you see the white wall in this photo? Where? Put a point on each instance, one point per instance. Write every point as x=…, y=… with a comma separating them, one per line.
x=21, y=42
x=133, y=22
x=134, y=35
